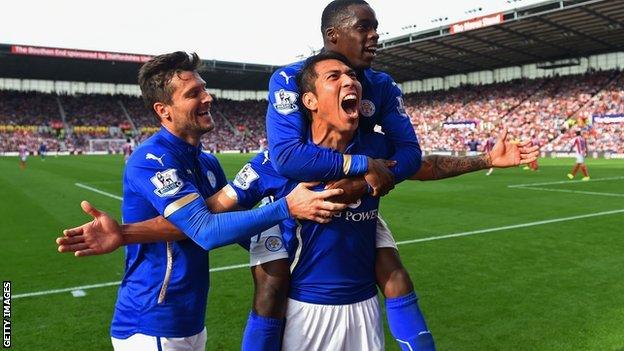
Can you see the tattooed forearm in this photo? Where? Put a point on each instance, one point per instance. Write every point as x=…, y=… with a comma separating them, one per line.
x=439, y=167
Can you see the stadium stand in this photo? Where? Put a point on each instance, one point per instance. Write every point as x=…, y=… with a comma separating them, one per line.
x=547, y=106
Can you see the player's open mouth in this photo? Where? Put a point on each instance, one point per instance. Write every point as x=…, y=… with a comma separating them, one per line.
x=349, y=104
x=371, y=50
x=205, y=114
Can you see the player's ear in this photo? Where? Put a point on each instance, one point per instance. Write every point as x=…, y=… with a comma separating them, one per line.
x=310, y=101
x=331, y=34
x=162, y=110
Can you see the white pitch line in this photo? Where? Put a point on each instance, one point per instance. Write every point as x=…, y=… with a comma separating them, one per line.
x=98, y=191
x=102, y=285
x=564, y=182
x=432, y=238
x=105, y=182
x=58, y=291
x=523, y=225
x=572, y=191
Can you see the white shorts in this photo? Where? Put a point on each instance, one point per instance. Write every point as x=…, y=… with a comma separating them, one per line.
x=383, y=237
x=315, y=327
x=23, y=158
x=580, y=158
x=266, y=247
x=472, y=153
x=144, y=342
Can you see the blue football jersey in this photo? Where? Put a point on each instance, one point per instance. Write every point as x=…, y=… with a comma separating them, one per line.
x=165, y=285
x=296, y=158
x=330, y=263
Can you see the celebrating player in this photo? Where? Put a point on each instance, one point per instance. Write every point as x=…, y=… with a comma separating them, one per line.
x=580, y=149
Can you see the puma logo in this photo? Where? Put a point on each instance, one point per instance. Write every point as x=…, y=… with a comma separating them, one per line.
x=151, y=156
x=287, y=77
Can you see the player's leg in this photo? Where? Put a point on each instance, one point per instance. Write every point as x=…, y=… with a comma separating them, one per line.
x=574, y=170
x=271, y=275
x=406, y=321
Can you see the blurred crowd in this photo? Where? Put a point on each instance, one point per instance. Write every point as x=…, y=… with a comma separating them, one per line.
x=547, y=110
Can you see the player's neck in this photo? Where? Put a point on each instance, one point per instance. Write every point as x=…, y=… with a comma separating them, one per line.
x=324, y=135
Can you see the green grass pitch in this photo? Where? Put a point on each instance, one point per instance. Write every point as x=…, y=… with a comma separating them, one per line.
x=535, y=267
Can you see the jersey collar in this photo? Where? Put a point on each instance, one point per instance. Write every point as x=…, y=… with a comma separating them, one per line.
x=179, y=144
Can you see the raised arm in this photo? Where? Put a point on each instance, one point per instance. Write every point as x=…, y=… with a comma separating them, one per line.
x=504, y=154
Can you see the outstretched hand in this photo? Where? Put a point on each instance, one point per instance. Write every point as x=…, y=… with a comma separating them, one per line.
x=97, y=237
x=509, y=154
x=304, y=203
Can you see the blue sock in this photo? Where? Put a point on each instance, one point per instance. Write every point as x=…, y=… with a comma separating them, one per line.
x=407, y=323
x=262, y=333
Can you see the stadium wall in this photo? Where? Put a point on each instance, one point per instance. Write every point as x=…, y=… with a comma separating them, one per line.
x=596, y=62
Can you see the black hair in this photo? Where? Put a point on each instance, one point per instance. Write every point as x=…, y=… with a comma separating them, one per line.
x=307, y=76
x=336, y=11
x=155, y=76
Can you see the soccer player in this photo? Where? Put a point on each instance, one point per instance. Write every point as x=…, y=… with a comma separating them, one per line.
x=127, y=150
x=489, y=145
x=23, y=155
x=43, y=150
x=473, y=146
x=580, y=149
x=161, y=303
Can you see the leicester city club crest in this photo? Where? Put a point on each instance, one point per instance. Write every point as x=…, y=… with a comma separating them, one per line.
x=273, y=243
x=367, y=108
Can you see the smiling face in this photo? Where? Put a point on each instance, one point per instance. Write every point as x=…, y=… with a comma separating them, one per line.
x=188, y=115
x=355, y=36
x=336, y=96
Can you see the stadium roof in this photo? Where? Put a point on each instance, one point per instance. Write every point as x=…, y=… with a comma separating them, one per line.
x=542, y=33
x=30, y=62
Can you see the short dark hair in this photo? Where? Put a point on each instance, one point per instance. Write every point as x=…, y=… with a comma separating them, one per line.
x=578, y=132
x=335, y=11
x=307, y=75
x=155, y=76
